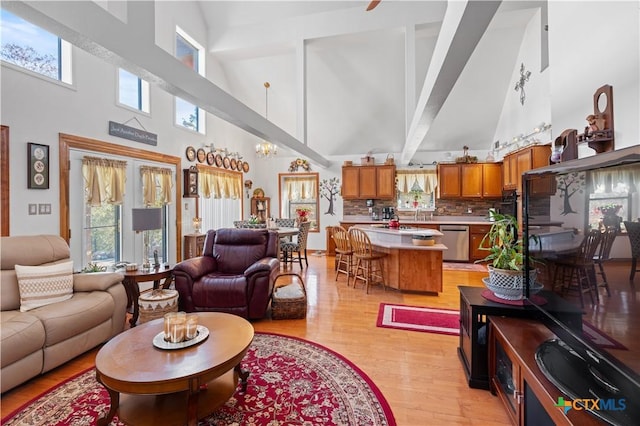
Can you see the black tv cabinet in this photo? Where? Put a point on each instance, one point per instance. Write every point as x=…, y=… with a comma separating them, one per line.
x=474, y=327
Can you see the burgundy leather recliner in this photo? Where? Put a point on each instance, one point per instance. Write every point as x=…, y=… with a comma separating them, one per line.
x=235, y=273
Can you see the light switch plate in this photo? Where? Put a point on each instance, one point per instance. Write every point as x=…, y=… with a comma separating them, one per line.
x=33, y=209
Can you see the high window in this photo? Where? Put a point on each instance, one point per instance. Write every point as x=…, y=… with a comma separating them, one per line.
x=31, y=48
x=191, y=54
x=133, y=92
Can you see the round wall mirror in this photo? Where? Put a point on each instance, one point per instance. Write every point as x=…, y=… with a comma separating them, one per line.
x=602, y=102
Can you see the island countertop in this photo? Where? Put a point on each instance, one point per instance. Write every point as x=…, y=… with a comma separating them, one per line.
x=401, y=238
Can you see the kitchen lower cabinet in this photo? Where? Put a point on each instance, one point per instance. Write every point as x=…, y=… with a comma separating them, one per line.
x=476, y=235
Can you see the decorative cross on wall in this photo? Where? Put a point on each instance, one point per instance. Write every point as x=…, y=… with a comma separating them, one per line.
x=524, y=77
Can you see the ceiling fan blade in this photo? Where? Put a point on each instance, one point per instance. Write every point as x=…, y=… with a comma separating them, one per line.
x=373, y=4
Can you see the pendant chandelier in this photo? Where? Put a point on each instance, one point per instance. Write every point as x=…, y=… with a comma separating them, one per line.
x=266, y=149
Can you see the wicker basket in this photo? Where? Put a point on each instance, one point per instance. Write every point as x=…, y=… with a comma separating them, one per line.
x=289, y=300
x=154, y=304
x=507, y=284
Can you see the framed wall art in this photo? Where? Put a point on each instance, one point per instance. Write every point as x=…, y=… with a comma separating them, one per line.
x=38, y=166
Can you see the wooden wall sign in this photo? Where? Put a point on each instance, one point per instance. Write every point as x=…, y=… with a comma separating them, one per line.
x=133, y=134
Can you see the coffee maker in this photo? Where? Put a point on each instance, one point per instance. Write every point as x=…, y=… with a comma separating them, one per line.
x=387, y=213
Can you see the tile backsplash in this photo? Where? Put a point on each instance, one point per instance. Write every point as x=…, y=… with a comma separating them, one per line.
x=538, y=207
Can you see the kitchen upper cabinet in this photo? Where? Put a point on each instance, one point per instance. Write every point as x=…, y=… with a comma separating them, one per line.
x=386, y=182
x=369, y=182
x=510, y=172
x=471, y=178
x=492, y=180
x=478, y=180
x=523, y=160
x=449, y=180
x=350, y=182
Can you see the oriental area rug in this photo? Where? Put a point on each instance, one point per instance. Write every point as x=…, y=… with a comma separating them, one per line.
x=292, y=381
x=447, y=321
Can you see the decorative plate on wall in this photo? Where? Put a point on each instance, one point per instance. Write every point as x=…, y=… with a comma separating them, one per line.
x=202, y=155
x=245, y=167
x=190, y=153
x=211, y=158
x=226, y=162
x=218, y=160
x=234, y=164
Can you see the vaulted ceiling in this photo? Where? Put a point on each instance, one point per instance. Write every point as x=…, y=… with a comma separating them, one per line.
x=409, y=77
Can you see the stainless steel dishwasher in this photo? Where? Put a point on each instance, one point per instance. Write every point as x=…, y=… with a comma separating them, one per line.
x=456, y=238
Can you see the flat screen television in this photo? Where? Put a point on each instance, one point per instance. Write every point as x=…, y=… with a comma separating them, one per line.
x=577, y=196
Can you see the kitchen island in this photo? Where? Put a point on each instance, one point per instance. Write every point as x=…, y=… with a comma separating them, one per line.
x=408, y=267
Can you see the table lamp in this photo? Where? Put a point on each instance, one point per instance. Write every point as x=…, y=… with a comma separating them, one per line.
x=144, y=220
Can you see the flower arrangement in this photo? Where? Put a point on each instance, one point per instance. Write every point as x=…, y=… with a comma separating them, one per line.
x=303, y=213
x=609, y=209
x=299, y=162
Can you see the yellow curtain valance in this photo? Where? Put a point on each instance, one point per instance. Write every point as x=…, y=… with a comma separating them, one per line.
x=301, y=188
x=219, y=183
x=427, y=180
x=104, y=180
x=156, y=185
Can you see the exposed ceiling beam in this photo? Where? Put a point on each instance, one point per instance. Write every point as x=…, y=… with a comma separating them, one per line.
x=462, y=28
x=91, y=28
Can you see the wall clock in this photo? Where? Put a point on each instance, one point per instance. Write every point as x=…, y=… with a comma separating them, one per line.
x=190, y=153
x=190, y=182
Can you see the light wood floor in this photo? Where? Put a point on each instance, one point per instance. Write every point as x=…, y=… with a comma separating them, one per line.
x=419, y=374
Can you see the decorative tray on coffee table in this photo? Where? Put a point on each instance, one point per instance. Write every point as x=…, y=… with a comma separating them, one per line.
x=201, y=335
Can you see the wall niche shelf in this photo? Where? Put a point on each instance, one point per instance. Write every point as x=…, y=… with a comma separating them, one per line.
x=599, y=135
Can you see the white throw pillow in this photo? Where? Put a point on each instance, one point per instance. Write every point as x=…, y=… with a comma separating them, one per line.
x=43, y=285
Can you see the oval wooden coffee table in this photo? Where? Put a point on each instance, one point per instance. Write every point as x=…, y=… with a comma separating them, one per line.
x=155, y=386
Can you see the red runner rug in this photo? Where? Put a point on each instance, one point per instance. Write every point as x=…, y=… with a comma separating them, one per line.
x=447, y=321
x=417, y=318
x=292, y=381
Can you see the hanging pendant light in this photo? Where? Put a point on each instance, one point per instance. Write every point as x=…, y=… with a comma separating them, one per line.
x=266, y=149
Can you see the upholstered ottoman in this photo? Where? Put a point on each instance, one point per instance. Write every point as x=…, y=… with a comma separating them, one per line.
x=154, y=304
x=289, y=300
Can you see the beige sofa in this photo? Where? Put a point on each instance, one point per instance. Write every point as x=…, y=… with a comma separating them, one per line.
x=43, y=338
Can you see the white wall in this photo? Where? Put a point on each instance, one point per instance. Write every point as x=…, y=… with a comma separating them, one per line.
x=516, y=118
x=590, y=46
x=37, y=110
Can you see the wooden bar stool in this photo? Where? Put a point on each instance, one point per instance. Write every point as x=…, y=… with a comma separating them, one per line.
x=368, y=261
x=344, y=252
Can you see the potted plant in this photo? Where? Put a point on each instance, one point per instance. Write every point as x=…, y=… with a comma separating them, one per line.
x=506, y=254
